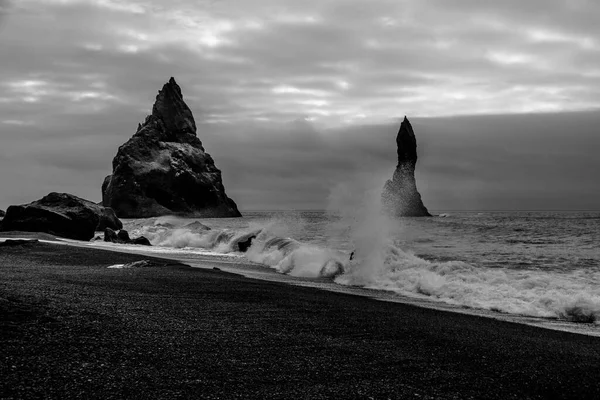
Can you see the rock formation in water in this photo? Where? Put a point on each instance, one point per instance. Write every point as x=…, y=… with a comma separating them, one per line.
x=400, y=197
x=60, y=214
x=2, y=213
x=122, y=237
x=163, y=169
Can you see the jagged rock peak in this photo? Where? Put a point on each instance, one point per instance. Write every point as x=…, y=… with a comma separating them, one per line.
x=400, y=197
x=170, y=108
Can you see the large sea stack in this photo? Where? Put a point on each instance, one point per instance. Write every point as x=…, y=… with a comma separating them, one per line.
x=400, y=197
x=163, y=169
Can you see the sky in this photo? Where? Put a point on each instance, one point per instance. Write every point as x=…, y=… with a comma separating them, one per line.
x=292, y=98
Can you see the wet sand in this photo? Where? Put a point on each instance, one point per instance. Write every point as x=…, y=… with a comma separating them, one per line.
x=72, y=328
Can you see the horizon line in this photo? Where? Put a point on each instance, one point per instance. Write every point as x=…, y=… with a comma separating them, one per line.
x=438, y=210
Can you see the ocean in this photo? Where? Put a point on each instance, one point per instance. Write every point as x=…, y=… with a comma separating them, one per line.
x=542, y=264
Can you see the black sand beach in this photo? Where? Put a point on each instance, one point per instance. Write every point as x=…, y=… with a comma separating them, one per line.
x=71, y=328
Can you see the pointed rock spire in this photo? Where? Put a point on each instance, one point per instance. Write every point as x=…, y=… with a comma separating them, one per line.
x=407, y=143
x=163, y=169
x=400, y=197
x=170, y=108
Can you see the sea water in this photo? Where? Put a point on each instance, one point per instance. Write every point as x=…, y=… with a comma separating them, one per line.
x=538, y=264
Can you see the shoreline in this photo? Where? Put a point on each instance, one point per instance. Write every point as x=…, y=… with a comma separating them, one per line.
x=73, y=328
x=239, y=265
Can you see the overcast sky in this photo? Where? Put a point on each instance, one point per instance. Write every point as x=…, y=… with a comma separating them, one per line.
x=292, y=97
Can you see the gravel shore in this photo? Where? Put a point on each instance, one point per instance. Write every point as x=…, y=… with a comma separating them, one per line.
x=72, y=328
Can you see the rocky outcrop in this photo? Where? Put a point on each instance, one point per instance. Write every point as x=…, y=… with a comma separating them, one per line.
x=2, y=214
x=142, y=241
x=110, y=236
x=163, y=169
x=60, y=214
x=400, y=197
x=122, y=237
x=108, y=218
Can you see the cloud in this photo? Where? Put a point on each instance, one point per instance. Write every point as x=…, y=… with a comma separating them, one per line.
x=293, y=96
x=329, y=60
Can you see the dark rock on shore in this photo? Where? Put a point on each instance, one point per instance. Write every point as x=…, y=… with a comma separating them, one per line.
x=400, y=197
x=142, y=240
x=122, y=237
x=110, y=236
x=2, y=213
x=163, y=169
x=108, y=218
x=60, y=214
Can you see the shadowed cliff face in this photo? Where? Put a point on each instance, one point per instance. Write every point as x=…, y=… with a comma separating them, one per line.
x=400, y=197
x=163, y=169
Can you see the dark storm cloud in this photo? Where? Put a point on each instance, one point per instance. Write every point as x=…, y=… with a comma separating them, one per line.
x=291, y=97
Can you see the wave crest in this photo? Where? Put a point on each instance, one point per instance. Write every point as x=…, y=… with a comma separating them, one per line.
x=573, y=296
x=262, y=243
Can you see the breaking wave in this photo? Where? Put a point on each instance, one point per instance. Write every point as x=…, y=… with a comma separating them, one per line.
x=380, y=261
x=262, y=243
x=382, y=264
x=291, y=257
x=572, y=296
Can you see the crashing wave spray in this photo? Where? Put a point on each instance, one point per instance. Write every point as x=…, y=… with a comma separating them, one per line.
x=179, y=233
x=290, y=256
x=293, y=246
x=358, y=207
x=381, y=264
x=267, y=242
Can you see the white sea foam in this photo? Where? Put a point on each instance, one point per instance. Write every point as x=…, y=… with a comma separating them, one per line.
x=272, y=247
x=297, y=259
x=270, y=244
x=380, y=263
x=569, y=295
x=531, y=278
